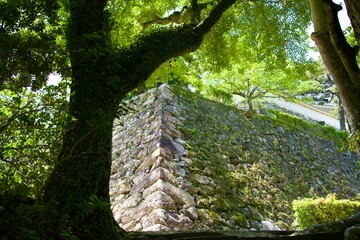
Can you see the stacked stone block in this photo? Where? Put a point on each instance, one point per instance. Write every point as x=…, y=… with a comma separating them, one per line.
x=147, y=187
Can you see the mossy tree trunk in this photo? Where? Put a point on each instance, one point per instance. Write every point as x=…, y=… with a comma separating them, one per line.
x=338, y=56
x=83, y=167
x=101, y=75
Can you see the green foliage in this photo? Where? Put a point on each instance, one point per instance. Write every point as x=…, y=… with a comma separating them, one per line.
x=262, y=31
x=172, y=72
x=218, y=94
x=128, y=16
x=31, y=127
x=328, y=132
x=238, y=39
x=30, y=47
x=254, y=80
x=311, y=211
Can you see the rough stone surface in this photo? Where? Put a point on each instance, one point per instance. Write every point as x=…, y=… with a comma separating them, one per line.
x=352, y=233
x=146, y=170
x=181, y=162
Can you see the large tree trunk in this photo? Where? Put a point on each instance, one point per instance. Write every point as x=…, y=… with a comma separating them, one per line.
x=78, y=188
x=338, y=56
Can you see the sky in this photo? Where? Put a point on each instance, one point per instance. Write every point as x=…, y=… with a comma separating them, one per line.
x=343, y=17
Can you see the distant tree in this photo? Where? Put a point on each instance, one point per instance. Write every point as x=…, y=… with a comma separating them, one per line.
x=254, y=81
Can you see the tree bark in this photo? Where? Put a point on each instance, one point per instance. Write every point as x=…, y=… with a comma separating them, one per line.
x=250, y=105
x=338, y=57
x=342, y=116
x=353, y=9
x=346, y=53
x=78, y=188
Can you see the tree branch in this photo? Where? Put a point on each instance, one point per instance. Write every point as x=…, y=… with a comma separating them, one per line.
x=318, y=16
x=260, y=94
x=338, y=71
x=150, y=51
x=9, y=121
x=345, y=51
x=241, y=94
x=214, y=16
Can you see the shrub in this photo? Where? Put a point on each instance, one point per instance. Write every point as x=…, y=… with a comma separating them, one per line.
x=310, y=211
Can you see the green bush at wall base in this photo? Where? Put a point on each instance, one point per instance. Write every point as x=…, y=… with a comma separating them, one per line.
x=310, y=211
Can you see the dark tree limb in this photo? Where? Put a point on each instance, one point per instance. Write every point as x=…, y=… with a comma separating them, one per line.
x=154, y=49
x=333, y=51
x=214, y=16
x=187, y=15
x=345, y=51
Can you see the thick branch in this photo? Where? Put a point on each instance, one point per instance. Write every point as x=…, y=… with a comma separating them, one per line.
x=196, y=9
x=329, y=44
x=214, y=16
x=341, y=77
x=151, y=51
x=345, y=51
x=318, y=16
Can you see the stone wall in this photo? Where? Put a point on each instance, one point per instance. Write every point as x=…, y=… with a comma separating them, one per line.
x=181, y=162
x=148, y=186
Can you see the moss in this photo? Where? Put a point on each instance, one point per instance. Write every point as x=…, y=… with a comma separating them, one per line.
x=187, y=133
x=258, y=163
x=209, y=215
x=221, y=204
x=240, y=219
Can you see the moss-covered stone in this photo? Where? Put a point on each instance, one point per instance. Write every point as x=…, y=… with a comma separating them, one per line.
x=241, y=171
x=266, y=160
